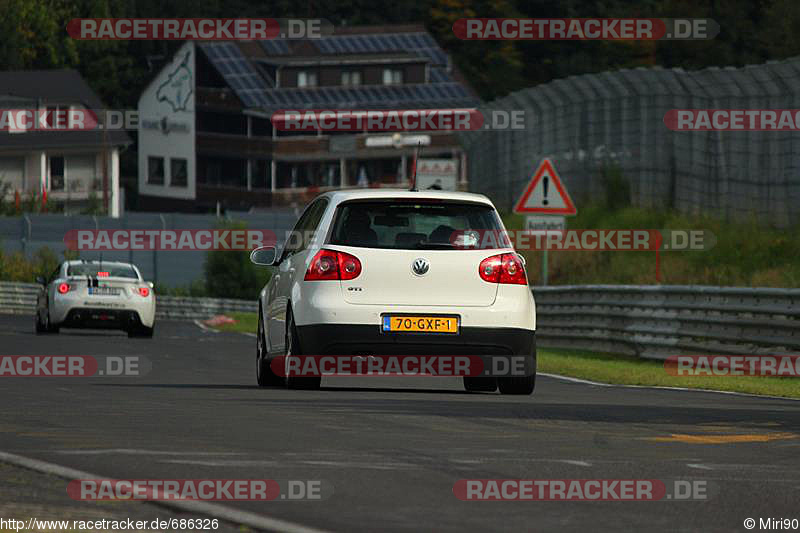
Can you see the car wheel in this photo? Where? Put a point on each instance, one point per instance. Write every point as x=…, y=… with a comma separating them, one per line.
x=40, y=328
x=48, y=328
x=517, y=384
x=292, y=348
x=141, y=331
x=481, y=384
x=264, y=374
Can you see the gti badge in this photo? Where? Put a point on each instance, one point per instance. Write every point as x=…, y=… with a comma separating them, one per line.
x=420, y=266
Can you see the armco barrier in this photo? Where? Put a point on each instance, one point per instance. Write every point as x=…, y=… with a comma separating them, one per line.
x=657, y=321
x=653, y=321
x=20, y=298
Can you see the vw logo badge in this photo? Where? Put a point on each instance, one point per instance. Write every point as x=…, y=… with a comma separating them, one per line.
x=420, y=266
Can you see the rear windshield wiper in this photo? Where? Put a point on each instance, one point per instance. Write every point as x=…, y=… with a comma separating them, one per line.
x=446, y=245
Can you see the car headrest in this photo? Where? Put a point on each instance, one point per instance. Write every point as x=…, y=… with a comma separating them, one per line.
x=407, y=239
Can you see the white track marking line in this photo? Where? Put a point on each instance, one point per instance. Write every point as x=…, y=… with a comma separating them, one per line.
x=135, y=451
x=222, y=512
x=698, y=466
x=226, y=463
x=368, y=466
x=573, y=462
x=575, y=380
x=204, y=327
x=687, y=389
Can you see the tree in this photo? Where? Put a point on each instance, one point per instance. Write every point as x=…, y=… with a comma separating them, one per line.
x=34, y=36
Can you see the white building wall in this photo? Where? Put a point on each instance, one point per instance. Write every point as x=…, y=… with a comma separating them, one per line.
x=167, y=124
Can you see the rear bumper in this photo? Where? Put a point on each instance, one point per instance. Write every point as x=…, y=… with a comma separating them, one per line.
x=100, y=318
x=491, y=344
x=65, y=306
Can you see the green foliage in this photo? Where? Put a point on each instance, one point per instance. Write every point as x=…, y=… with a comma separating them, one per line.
x=34, y=36
x=230, y=274
x=195, y=289
x=95, y=205
x=17, y=267
x=745, y=254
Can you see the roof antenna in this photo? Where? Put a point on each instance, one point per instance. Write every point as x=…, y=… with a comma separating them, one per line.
x=414, y=177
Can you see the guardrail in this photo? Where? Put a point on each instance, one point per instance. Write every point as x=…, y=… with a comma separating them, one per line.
x=20, y=298
x=653, y=321
x=656, y=321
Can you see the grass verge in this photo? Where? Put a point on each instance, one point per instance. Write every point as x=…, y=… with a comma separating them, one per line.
x=745, y=254
x=621, y=370
x=616, y=369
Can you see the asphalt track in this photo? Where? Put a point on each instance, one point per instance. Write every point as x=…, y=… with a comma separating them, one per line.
x=393, y=448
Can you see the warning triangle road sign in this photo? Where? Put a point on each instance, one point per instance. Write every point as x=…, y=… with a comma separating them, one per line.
x=546, y=194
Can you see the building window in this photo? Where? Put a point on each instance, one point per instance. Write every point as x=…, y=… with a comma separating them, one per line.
x=392, y=76
x=177, y=172
x=306, y=79
x=351, y=77
x=155, y=170
x=81, y=169
x=56, y=173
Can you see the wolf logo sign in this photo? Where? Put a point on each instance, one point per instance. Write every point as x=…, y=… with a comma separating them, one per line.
x=177, y=89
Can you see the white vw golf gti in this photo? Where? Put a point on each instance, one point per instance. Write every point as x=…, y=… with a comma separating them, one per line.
x=389, y=272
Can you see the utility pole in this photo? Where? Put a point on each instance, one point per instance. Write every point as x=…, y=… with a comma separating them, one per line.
x=105, y=163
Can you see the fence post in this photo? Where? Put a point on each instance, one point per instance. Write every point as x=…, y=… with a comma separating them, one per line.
x=26, y=235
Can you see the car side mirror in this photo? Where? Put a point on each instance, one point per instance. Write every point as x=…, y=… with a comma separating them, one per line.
x=40, y=280
x=151, y=284
x=264, y=256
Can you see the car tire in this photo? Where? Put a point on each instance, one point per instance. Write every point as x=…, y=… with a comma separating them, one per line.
x=49, y=328
x=480, y=384
x=517, y=384
x=265, y=377
x=141, y=331
x=40, y=328
x=292, y=347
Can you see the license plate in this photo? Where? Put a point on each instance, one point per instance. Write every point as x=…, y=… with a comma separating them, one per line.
x=103, y=291
x=421, y=324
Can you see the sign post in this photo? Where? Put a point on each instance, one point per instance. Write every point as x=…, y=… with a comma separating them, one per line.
x=545, y=202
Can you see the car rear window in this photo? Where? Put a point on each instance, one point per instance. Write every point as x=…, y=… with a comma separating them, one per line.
x=404, y=225
x=112, y=271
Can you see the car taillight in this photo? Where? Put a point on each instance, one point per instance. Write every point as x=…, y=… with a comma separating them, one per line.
x=144, y=291
x=489, y=269
x=503, y=268
x=63, y=288
x=333, y=265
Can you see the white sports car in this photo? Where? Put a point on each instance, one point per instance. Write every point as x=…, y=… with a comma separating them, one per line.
x=96, y=294
x=379, y=257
